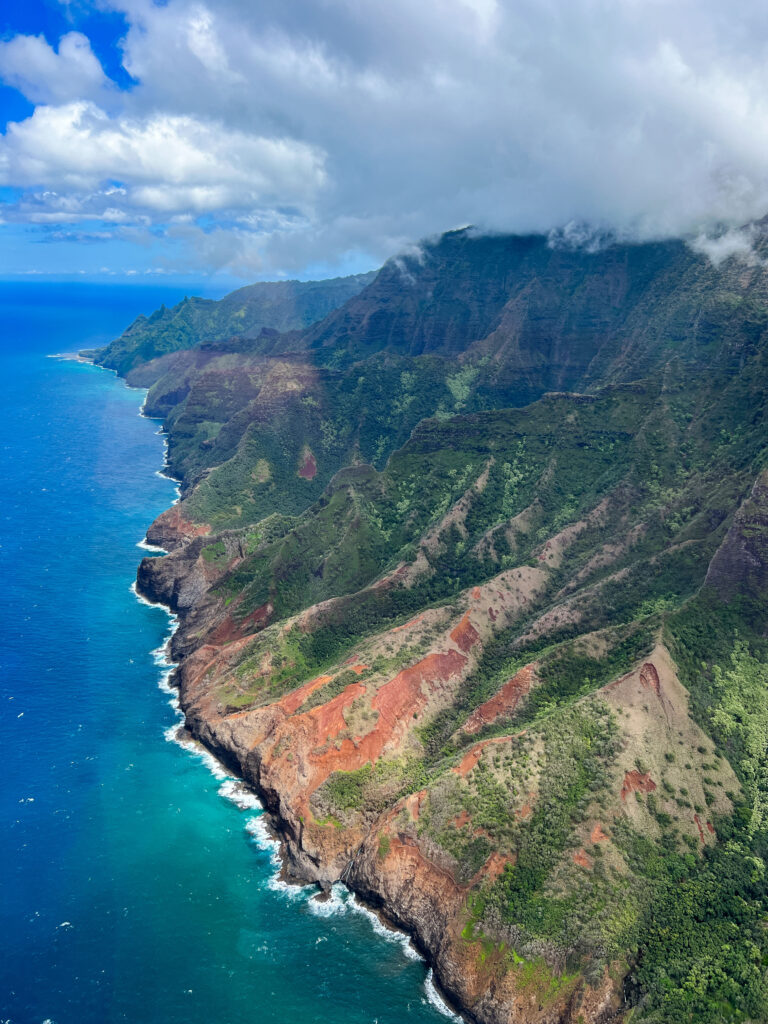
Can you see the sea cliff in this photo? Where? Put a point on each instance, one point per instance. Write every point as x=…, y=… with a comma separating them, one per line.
x=470, y=579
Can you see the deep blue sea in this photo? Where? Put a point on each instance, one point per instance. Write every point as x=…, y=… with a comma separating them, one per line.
x=133, y=888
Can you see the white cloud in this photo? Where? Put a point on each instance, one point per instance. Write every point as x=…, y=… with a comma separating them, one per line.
x=738, y=242
x=163, y=163
x=311, y=130
x=44, y=76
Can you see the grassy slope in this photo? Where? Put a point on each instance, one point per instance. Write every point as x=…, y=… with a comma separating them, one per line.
x=621, y=499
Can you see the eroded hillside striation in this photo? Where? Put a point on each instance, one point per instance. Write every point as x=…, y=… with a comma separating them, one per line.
x=471, y=578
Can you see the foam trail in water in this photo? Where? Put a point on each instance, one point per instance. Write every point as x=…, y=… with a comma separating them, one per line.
x=390, y=934
x=435, y=999
x=178, y=735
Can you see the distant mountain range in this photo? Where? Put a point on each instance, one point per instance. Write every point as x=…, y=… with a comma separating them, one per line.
x=276, y=305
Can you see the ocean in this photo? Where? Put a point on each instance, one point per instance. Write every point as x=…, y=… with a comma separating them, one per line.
x=138, y=885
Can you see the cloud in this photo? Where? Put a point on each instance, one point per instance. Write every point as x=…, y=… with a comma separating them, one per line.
x=734, y=242
x=284, y=134
x=165, y=164
x=43, y=75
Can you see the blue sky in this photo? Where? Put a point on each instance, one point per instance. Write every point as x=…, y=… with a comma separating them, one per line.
x=257, y=139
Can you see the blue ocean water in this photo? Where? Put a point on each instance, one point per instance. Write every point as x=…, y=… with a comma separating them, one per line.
x=133, y=889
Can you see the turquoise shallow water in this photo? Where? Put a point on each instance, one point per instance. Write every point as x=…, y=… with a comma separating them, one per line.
x=133, y=888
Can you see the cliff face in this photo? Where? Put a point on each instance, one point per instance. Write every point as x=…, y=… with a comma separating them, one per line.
x=468, y=652
x=740, y=568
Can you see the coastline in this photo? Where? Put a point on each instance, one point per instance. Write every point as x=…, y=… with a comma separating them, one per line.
x=410, y=895
x=268, y=830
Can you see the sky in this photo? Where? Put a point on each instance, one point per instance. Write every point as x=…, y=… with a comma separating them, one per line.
x=261, y=139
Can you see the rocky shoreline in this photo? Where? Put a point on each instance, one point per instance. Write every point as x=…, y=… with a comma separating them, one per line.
x=410, y=891
x=298, y=868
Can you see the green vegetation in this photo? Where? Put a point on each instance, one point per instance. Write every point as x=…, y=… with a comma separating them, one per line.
x=441, y=461
x=281, y=306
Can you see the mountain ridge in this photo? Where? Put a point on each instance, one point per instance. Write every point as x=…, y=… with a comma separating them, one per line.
x=274, y=305
x=494, y=652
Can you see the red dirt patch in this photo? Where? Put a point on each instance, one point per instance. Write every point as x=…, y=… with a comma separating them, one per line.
x=525, y=811
x=407, y=625
x=229, y=630
x=329, y=717
x=403, y=695
x=637, y=782
x=308, y=469
x=464, y=635
x=293, y=701
x=494, y=866
x=598, y=836
x=470, y=759
x=172, y=519
x=476, y=593
x=472, y=756
x=503, y=703
x=461, y=820
x=697, y=819
x=492, y=614
x=395, y=702
x=711, y=827
x=649, y=678
x=581, y=858
x=359, y=669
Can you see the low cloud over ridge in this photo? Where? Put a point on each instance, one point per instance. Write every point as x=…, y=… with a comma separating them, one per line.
x=271, y=136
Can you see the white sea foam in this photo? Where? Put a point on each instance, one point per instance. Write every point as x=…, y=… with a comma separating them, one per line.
x=162, y=655
x=239, y=794
x=164, y=684
x=256, y=827
x=435, y=999
x=390, y=934
x=336, y=903
x=146, y=546
x=178, y=735
x=143, y=600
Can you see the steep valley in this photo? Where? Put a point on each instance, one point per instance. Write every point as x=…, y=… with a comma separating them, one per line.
x=471, y=577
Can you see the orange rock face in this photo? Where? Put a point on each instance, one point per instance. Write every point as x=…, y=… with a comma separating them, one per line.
x=404, y=693
x=637, y=782
x=503, y=703
x=172, y=527
x=473, y=755
x=322, y=732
